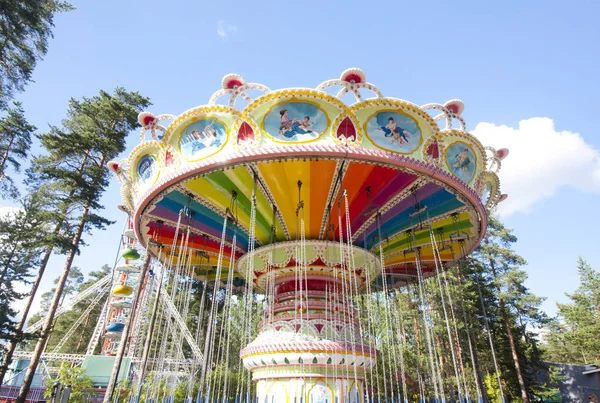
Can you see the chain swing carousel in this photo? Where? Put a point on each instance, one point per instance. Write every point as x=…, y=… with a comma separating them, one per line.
x=324, y=213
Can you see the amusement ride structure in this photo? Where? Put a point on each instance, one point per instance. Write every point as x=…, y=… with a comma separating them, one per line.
x=312, y=208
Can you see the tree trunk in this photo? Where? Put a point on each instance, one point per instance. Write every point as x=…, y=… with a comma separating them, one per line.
x=513, y=350
x=8, y=263
x=511, y=340
x=41, y=343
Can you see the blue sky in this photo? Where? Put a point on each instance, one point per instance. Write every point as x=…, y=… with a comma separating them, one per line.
x=509, y=62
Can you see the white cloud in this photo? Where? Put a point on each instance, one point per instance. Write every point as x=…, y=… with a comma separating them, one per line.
x=541, y=161
x=224, y=29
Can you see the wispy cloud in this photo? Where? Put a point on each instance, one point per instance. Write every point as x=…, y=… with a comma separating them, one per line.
x=224, y=29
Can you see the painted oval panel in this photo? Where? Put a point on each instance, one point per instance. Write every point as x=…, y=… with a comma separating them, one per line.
x=394, y=131
x=461, y=160
x=202, y=138
x=295, y=122
x=146, y=168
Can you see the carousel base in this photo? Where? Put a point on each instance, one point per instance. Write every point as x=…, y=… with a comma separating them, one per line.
x=309, y=390
x=309, y=348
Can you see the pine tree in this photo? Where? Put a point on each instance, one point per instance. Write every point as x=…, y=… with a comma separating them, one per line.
x=499, y=259
x=574, y=336
x=19, y=255
x=93, y=133
x=25, y=27
x=15, y=141
x=47, y=240
x=512, y=305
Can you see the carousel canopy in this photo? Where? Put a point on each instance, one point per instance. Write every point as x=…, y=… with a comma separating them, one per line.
x=391, y=172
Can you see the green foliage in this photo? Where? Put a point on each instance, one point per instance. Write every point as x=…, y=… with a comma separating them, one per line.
x=514, y=311
x=493, y=388
x=15, y=141
x=25, y=27
x=573, y=337
x=19, y=256
x=547, y=390
x=125, y=390
x=82, y=387
x=73, y=171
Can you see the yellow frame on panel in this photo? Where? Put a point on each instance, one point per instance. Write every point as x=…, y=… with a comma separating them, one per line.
x=400, y=112
x=471, y=147
x=194, y=120
x=289, y=100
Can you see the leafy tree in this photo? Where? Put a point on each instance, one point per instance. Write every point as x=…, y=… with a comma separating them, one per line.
x=93, y=133
x=574, y=337
x=25, y=27
x=15, y=141
x=82, y=386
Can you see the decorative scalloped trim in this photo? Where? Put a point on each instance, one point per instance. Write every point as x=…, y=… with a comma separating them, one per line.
x=299, y=347
x=291, y=249
x=467, y=136
x=494, y=181
x=153, y=148
x=126, y=197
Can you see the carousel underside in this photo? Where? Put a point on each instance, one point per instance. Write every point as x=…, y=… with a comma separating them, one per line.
x=405, y=200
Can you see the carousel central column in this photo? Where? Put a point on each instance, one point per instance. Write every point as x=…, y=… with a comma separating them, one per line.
x=309, y=348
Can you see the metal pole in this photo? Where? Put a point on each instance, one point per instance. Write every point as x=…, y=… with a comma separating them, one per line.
x=110, y=389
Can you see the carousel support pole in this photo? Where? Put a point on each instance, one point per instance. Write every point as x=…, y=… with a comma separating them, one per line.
x=110, y=389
